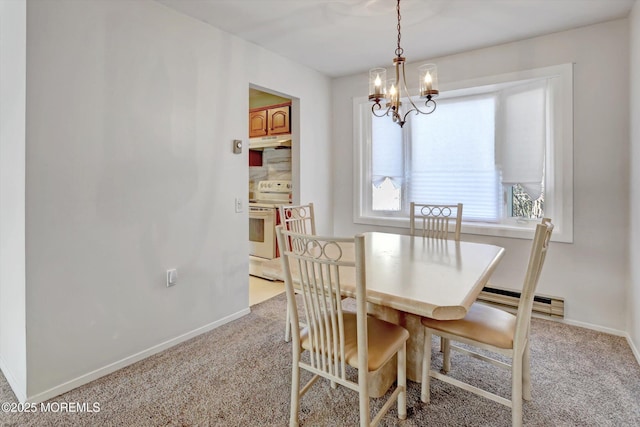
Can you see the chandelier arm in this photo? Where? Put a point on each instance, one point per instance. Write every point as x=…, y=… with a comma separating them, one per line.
x=376, y=107
x=404, y=119
x=430, y=104
x=406, y=91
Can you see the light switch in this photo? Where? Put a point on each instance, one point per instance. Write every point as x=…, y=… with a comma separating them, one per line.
x=172, y=277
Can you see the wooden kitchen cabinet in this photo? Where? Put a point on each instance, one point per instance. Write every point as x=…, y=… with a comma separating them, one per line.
x=274, y=120
x=258, y=123
x=278, y=120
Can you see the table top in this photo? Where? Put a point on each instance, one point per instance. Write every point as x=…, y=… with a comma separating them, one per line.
x=428, y=277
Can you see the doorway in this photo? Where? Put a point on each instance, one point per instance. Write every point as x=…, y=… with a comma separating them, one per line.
x=273, y=176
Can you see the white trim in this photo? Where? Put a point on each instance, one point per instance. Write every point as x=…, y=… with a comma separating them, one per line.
x=15, y=386
x=112, y=367
x=634, y=349
x=606, y=330
x=591, y=326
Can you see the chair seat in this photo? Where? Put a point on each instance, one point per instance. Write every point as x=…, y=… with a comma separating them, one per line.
x=384, y=339
x=482, y=323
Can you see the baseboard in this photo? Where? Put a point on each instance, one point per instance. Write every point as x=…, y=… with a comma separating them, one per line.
x=593, y=327
x=599, y=328
x=91, y=376
x=13, y=383
x=634, y=349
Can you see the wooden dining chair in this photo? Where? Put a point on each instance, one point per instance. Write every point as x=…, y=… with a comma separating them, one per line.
x=431, y=220
x=336, y=338
x=298, y=219
x=495, y=330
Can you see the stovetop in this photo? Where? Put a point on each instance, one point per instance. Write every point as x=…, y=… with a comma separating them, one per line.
x=271, y=194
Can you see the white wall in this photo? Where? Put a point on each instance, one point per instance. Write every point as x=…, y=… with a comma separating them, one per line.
x=592, y=273
x=12, y=198
x=634, y=247
x=131, y=110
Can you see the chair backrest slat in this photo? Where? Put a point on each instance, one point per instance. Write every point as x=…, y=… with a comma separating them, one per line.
x=433, y=220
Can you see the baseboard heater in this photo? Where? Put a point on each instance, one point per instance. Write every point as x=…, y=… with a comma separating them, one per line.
x=507, y=299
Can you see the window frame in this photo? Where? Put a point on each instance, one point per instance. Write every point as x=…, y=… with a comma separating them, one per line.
x=558, y=163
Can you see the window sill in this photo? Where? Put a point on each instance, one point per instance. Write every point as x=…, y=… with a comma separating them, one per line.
x=515, y=231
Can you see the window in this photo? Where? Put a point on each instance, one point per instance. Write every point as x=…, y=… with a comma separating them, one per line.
x=501, y=145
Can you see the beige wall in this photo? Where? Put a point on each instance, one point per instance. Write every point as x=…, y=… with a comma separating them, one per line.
x=592, y=273
x=131, y=112
x=13, y=34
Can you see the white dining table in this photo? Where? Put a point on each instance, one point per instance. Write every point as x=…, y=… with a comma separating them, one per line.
x=412, y=277
x=409, y=277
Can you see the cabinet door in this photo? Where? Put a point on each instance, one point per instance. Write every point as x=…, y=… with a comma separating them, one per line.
x=279, y=120
x=258, y=123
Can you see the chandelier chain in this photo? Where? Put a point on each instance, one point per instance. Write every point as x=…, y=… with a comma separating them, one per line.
x=399, y=50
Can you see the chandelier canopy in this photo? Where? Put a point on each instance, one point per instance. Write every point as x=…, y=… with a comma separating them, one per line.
x=380, y=90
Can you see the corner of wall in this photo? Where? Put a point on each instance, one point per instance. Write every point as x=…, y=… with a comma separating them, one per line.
x=13, y=358
x=633, y=308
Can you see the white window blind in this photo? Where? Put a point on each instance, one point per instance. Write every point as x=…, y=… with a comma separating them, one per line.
x=453, y=157
x=386, y=143
x=387, y=165
x=523, y=135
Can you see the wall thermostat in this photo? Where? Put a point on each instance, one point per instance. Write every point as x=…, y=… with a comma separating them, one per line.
x=237, y=146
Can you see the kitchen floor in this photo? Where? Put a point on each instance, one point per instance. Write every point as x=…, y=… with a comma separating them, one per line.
x=261, y=290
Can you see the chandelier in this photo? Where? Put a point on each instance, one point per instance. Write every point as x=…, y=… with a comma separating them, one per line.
x=380, y=90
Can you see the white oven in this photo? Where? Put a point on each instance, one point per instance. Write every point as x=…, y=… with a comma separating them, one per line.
x=262, y=231
x=263, y=216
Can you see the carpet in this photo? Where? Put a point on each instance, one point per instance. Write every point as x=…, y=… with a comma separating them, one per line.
x=239, y=375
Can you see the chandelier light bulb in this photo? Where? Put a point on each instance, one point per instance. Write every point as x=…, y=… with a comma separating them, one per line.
x=377, y=80
x=393, y=97
x=428, y=75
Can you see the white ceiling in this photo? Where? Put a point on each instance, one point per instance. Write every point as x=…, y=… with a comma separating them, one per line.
x=341, y=37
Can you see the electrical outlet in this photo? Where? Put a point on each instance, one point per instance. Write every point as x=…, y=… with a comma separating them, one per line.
x=172, y=277
x=239, y=206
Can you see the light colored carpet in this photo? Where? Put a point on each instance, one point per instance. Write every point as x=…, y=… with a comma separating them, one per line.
x=239, y=374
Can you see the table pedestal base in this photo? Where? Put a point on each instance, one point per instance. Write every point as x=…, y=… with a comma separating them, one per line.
x=385, y=377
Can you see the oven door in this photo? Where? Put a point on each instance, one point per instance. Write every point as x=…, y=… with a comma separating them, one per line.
x=262, y=232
